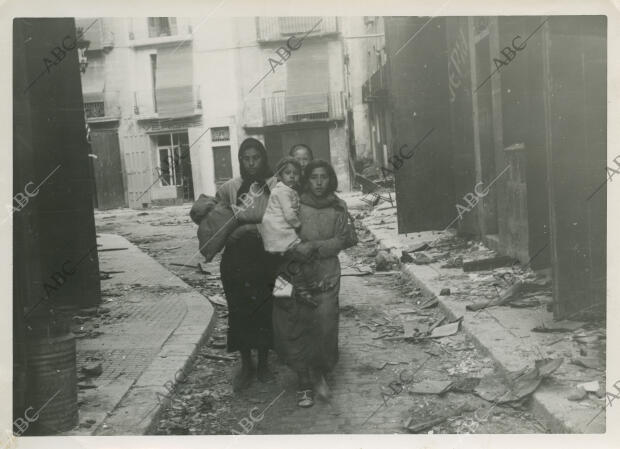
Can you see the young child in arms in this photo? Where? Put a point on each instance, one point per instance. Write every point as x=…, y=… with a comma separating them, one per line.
x=280, y=226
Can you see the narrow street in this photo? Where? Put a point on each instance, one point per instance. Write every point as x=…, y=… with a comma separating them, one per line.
x=367, y=394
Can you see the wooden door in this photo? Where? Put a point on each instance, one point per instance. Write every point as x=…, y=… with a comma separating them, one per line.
x=222, y=164
x=140, y=175
x=109, y=179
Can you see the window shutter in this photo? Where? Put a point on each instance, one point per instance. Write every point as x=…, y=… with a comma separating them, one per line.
x=307, y=80
x=174, y=87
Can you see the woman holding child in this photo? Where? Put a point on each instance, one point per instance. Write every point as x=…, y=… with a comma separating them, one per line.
x=246, y=268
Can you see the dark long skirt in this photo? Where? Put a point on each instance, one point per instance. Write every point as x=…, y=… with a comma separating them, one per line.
x=248, y=273
x=307, y=337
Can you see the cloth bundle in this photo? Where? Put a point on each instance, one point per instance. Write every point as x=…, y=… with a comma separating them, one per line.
x=215, y=222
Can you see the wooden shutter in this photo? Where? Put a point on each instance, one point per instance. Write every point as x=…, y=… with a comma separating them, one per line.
x=174, y=90
x=307, y=83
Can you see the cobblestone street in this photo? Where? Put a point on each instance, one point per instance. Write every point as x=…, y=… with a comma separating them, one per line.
x=367, y=394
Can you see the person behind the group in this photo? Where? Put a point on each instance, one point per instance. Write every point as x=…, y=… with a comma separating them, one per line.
x=302, y=153
x=306, y=334
x=246, y=268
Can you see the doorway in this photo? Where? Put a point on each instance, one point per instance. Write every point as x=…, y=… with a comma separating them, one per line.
x=107, y=168
x=279, y=143
x=173, y=163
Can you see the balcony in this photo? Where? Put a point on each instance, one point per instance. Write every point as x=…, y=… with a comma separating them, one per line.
x=270, y=29
x=149, y=31
x=167, y=102
x=376, y=88
x=103, y=109
x=95, y=109
x=282, y=110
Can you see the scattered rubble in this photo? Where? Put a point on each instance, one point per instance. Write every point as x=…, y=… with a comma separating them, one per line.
x=217, y=300
x=507, y=296
x=516, y=385
x=385, y=261
x=559, y=326
x=588, y=362
x=577, y=394
x=92, y=369
x=430, y=387
x=406, y=258
x=446, y=330
x=488, y=263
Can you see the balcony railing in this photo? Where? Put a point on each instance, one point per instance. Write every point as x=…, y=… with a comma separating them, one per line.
x=94, y=109
x=301, y=108
x=181, y=101
x=281, y=28
x=106, y=107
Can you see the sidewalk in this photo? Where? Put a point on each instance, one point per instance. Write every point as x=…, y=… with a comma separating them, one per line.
x=147, y=328
x=505, y=333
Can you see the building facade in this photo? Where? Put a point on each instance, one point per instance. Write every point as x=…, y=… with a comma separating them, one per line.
x=512, y=115
x=168, y=100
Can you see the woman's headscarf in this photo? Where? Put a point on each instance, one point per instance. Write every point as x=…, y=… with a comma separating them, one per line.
x=264, y=171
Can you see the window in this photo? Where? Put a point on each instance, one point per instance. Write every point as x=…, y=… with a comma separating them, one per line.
x=172, y=153
x=220, y=134
x=162, y=26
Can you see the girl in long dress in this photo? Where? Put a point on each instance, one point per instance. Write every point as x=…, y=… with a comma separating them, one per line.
x=306, y=335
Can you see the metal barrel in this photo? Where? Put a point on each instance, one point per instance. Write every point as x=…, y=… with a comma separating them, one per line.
x=52, y=383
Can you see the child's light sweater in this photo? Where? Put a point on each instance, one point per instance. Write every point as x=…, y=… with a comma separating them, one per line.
x=280, y=220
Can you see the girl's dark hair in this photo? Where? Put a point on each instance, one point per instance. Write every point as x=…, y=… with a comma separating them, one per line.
x=297, y=146
x=282, y=163
x=319, y=163
x=265, y=171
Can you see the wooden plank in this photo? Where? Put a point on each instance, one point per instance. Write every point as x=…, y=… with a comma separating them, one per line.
x=487, y=264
